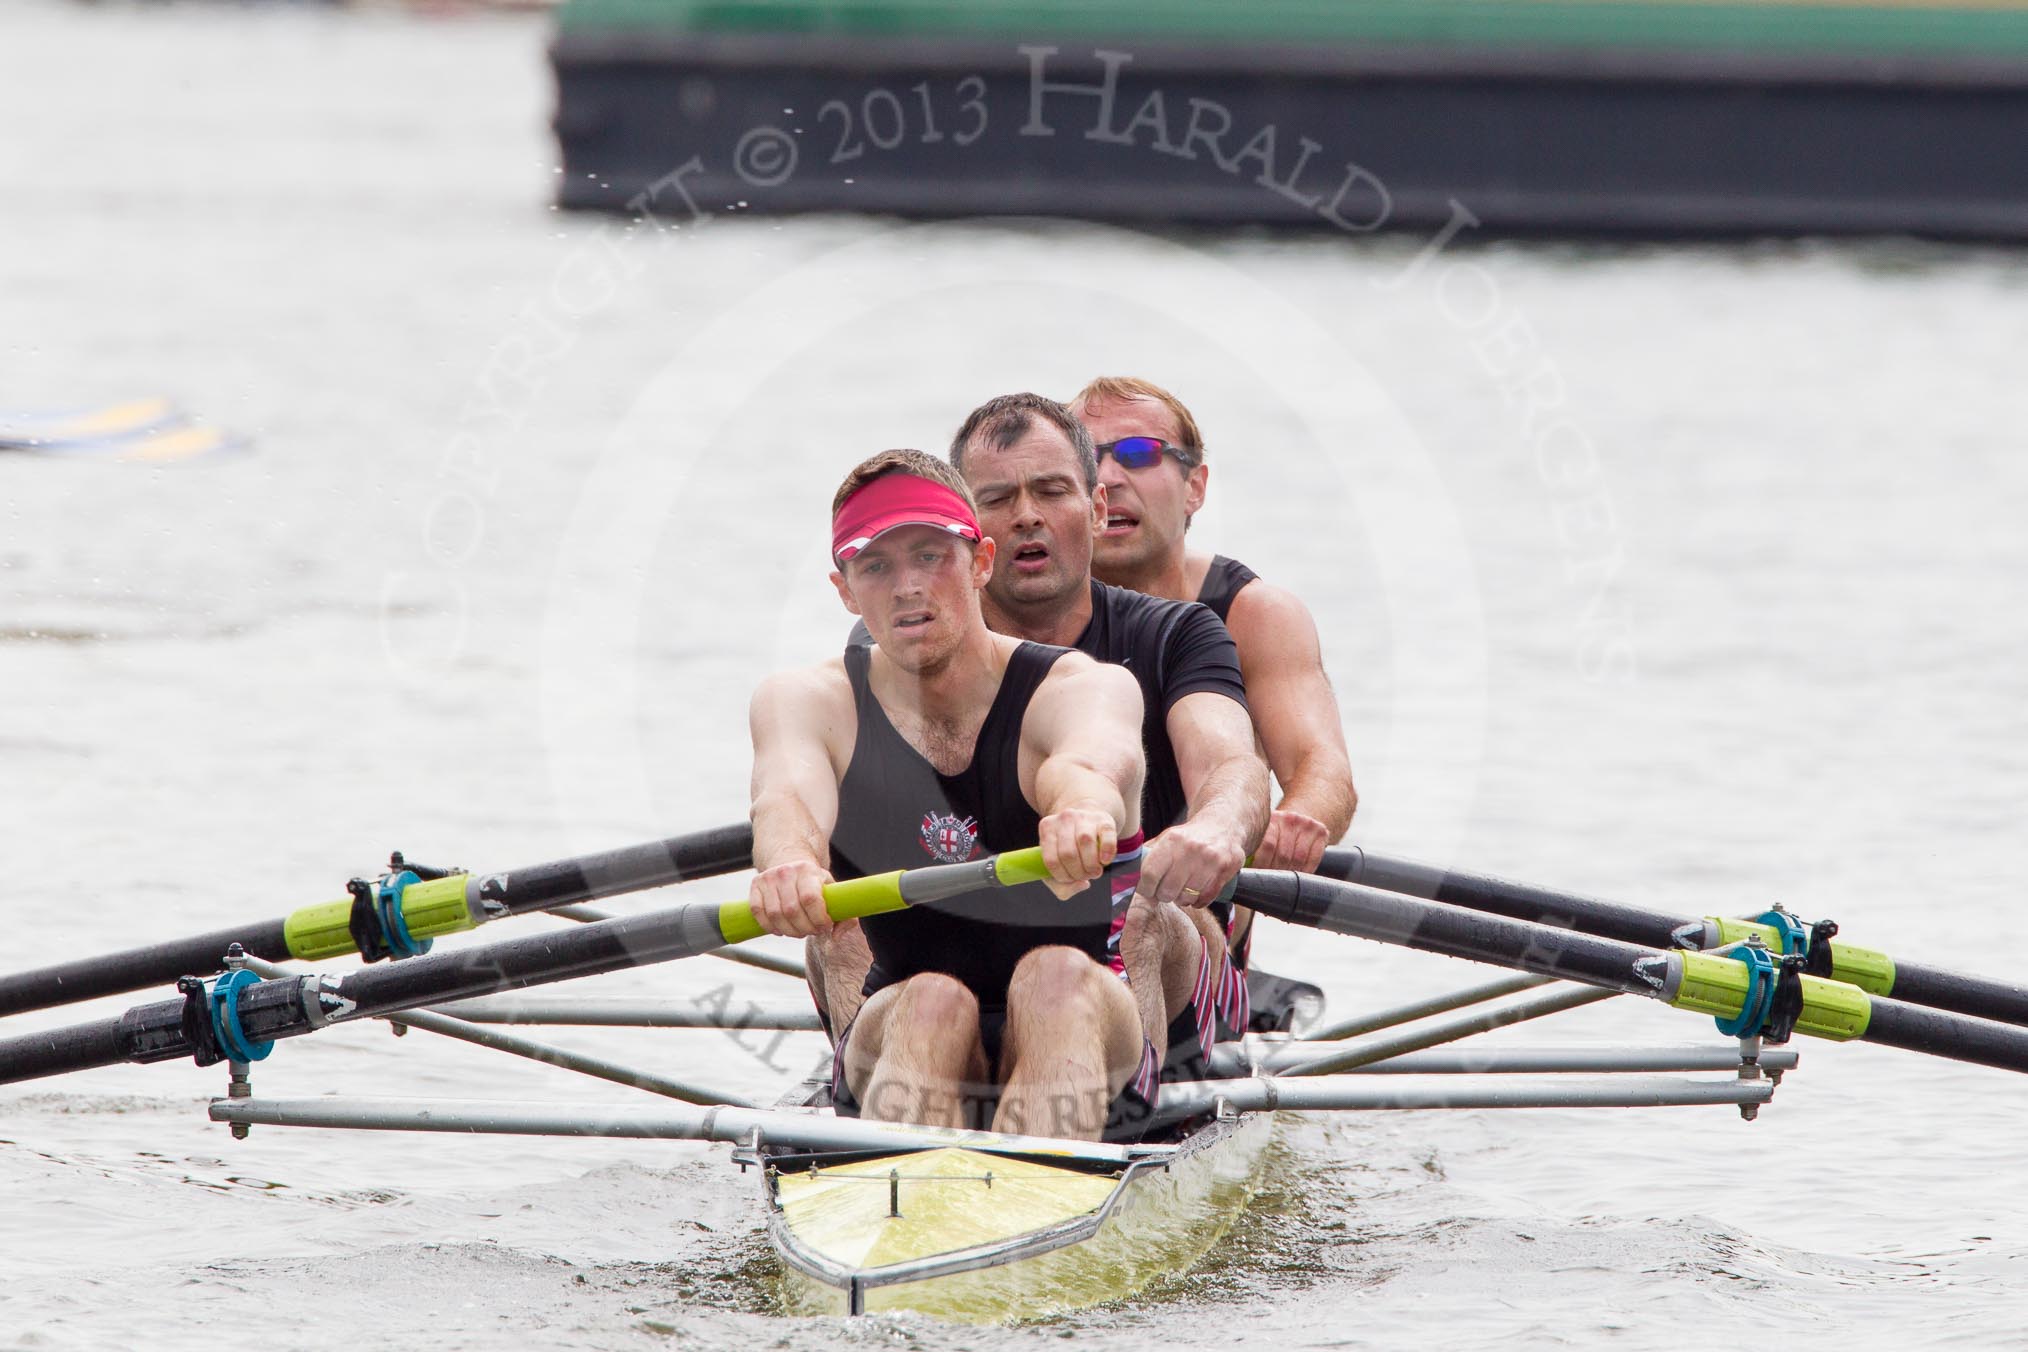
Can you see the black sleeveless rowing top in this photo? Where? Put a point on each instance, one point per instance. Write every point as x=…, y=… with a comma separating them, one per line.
x=896, y=810
x=1222, y=582
x=1174, y=648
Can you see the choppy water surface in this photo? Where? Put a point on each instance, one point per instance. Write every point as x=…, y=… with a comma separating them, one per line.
x=537, y=502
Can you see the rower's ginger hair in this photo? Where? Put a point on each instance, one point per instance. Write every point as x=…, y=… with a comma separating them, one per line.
x=921, y=464
x=1119, y=389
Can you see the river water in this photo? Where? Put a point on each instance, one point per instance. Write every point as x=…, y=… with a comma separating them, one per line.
x=1688, y=576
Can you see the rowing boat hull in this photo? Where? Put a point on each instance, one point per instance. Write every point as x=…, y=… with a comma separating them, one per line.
x=1040, y=1238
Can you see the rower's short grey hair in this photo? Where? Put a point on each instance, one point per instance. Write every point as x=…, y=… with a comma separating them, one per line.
x=1000, y=422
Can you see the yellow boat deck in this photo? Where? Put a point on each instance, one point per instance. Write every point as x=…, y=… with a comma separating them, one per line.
x=980, y=1237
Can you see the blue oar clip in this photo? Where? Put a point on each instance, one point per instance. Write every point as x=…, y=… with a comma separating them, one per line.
x=394, y=925
x=222, y=998
x=1763, y=968
x=1795, y=936
x=378, y=927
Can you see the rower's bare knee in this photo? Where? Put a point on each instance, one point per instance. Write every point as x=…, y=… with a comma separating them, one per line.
x=915, y=1051
x=1057, y=982
x=937, y=1006
x=1059, y=996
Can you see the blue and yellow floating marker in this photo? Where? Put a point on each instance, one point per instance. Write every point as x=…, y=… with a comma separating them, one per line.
x=59, y=430
x=151, y=431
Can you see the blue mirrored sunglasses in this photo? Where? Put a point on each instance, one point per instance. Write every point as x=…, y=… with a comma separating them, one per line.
x=1141, y=452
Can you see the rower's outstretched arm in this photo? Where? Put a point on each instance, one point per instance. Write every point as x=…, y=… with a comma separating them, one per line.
x=1081, y=766
x=795, y=798
x=1226, y=785
x=1296, y=715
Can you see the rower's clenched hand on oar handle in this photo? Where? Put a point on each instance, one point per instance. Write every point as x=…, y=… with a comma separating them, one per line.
x=788, y=899
x=1077, y=845
x=1190, y=863
x=800, y=898
x=1292, y=841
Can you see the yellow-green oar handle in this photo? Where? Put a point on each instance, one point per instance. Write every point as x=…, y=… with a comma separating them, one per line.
x=880, y=893
x=1016, y=867
x=848, y=900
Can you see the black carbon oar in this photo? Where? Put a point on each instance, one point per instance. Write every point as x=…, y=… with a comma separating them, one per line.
x=1752, y=994
x=238, y=1016
x=1870, y=970
x=399, y=916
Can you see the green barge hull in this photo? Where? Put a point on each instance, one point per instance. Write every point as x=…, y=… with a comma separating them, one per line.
x=1511, y=117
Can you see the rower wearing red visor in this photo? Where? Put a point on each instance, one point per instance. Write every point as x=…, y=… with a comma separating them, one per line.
x=942, y=742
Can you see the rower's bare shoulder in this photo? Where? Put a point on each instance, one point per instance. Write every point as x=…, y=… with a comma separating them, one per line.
x=1080, y=675
x=826, y=680
x=1265, y=618
x=815, y=698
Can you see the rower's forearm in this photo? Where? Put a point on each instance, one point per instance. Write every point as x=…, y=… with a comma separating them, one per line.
x=1321, y=787
x=1062, y=784
x=1233, y=801
x=785, y=831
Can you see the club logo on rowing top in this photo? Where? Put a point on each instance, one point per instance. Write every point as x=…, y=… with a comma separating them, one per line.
x=949, y=838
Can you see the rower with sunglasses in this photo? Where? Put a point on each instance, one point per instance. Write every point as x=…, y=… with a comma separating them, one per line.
x=1151, y=462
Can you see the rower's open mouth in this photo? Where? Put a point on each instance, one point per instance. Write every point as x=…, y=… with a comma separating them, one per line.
x=1030, y=556
x=912, y=619
x=1119, y=523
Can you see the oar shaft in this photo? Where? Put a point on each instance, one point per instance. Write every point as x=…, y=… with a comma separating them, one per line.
x=460, y=902
x=1697, y=981
x=631, y=868
x=1435, y=927
x=1910, y=983
x=1497, y=896
x=81, y=1046
x=1917, y=1028
x=153, y=965
x=292, y=1006
x=268, y=1011
x=1960, y=993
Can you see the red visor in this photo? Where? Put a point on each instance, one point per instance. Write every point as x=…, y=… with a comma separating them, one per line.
x=898, y=500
